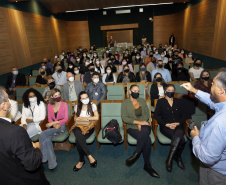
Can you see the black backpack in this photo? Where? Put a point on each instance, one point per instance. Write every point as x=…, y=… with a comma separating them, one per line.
x=111, y=131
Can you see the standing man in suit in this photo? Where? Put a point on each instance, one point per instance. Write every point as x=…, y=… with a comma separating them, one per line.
x=14, y=79
x=20, y=159
x=71, y=89
x=172, y=40
x=111, y=41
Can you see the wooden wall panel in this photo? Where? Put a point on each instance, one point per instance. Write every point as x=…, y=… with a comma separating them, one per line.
x=120, y=26
x=121, y=36
x=167, y=24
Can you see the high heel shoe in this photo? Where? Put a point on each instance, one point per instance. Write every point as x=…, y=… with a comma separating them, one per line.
x=130, y=161
x=94, y=164
x=77, y=169
x=150, y=170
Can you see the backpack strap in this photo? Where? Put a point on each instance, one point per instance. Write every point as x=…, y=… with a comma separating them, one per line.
x=103, y=135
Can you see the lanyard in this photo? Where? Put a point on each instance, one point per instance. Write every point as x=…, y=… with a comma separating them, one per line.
x=32, y=112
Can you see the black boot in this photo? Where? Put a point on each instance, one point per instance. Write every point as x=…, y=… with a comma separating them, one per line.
x=150, y=170
x=172, y=153
x=178, y=158
x=130, y=161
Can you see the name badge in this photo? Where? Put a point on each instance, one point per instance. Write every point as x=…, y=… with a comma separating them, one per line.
x=96, y=93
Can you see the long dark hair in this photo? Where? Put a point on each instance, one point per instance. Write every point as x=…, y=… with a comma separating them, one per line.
x=26, y=99
x=110, y=77
x=141, y=75
x=202, y=81
x=154, y=80
x=79, y=106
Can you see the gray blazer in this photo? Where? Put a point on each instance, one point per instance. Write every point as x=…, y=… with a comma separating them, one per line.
x=99, y=94
x=78, y=88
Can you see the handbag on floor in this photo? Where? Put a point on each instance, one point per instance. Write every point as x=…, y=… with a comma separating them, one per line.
x=65, y=146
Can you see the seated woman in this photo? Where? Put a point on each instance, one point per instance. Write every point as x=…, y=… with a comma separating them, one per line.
x=157, y=88
x=170, y=115
x=182, y=55
x=33, y=112
x=87, y=111
x=98, y=67
x=137, y=59
x=123, y=63
x=126, y=76
x=51, y=84
x=204, y=83
x=149, y=59
x=196, y=70
x=180, y=73
x=78, y=75
x=143, y=75
x=136, y=115
x=70, y=67
x=189, y=59
x=41, y=78
x=108, y=77
x=57, y=117
x=113, y=68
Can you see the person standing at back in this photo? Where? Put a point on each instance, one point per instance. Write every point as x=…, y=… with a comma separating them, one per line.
x=20, y=159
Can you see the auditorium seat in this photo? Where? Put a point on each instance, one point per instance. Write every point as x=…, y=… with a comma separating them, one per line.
x=136, y=68
x=213, y=73
x=35, y=72
x=32, y=81
x=40, y=89
x=20, y=90
x=115, y=91
x=178, y=88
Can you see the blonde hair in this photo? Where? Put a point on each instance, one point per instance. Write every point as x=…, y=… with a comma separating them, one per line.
x=51, y=93
x=44, y=74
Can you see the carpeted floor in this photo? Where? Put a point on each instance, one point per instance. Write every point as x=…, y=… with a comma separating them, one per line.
x=111, y=169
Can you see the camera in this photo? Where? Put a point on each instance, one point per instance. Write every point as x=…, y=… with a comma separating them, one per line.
x=191, y=126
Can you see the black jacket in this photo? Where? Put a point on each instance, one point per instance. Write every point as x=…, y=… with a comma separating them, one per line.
x=20, y=80
x=20, y=162
x=148, y=76
x=167, y=66
x=154, y=92
x=131, y=77
x=182, y=76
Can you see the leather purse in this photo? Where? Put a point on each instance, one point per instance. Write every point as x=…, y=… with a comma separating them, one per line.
x=65, y=146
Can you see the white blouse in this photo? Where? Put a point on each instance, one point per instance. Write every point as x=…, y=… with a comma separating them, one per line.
x=161, y=91
x=84, y=113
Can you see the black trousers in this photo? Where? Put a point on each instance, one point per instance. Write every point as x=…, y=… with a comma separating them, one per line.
x=177, y=132
x=143, y=141
x=81, y=143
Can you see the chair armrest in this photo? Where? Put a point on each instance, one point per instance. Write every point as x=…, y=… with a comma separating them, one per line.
x=147, y=96
x=43, y=123
x=125, y=128
x=186, y=127
x=155, y=126
x=18, y=122
x=70, y=122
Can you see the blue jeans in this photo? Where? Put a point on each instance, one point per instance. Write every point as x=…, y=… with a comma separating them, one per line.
x=45, y=140
x=32, y=130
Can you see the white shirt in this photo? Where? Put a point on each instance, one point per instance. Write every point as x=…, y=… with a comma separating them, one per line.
x=101, y=69
x=104, y=77
x=161, y=91
x=84, y=113
x=196, y=72
x=165, y=60
x=60, y=79
x=7, y=119
x=39, y=114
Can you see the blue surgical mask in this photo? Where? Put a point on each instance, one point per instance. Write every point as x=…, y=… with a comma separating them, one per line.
x=15, y=72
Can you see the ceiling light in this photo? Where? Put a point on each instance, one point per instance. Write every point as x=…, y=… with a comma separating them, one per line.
x=82, y=10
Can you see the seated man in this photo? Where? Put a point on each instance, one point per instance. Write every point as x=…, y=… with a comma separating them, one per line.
x=88, y=75
x=14, y=79
x=72, y=88
x=59, y=76
x=96, y=89
x=164, y=72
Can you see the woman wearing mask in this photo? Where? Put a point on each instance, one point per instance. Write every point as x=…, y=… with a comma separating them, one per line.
x=126, y=75
x=170, y=53
x=57, y=117
x=136, y=115
x=41, y=78
x=196, y=70
x=113, y=68
x=123, y=63
x=164, y=58
x=85, y=110
x=51, y=84
x=78, y=76
x=157, y=88
x=149, y=59
x=86, y=65
x=169, y=113
x=190, y=58
x=104, y=59
x=33, y=112
x=84, y=57
x=144, y=52
x=182, y=55
x=95, y=55
x=98, y=67
x=108, y=77
x=80, y=65
x=170, y=65
x=70, y=67
x=204, y=83
x=180, y=73
x=137, y=59
x=143, y=75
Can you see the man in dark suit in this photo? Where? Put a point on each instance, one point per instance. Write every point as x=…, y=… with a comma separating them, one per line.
x=14, y=79
x=172, y=40
x=20, y=159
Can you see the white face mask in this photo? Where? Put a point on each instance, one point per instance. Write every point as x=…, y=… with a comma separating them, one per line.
x=43, y=67
x=78, y=59
x=162, y=55
x=156, y=52
x=108, y=71
x=55, y=56
x=71, y=79
x=154, y=49
x=96, y=80
x=70, y=67
x=32, y=100
x=135, y=50
x=107, y=51
x=87, y=63
x=84, y=55
x=170, y=52
x=15, y=72
x=189, y=56
x=97, y=62
x=144, y=49
x=76, y=71
x=182, y=52
x=63, y=53
x=85, y=102
x=137, y=57
x=94, y=55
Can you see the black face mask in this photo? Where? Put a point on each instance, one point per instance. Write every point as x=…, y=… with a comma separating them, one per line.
x=170, y=94
x=154, y=61
x=109, y=64
x=151, y=55
x=179, y=68
x=42, y=73
x=52, y=85
x=160, y=66
x=198, y=65
x=65, y=56
x=170, y=61
x=134, y=95
x=126, y=70
x=59, y=70
x=176, y=55
x=159, y=79
x=92, y=70
x=206, y=78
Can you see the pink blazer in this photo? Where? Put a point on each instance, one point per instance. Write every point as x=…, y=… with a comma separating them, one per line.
x=62, y=114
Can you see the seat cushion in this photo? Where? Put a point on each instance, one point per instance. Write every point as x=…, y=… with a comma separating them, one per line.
x=61, y=137
x=133, y=141
x=89, y=140
x=35, y=138
x=163, y=139
x=101, y=140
